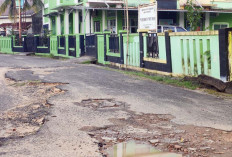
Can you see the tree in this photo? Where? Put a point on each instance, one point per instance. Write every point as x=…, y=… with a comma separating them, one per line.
x=193, y=15
x=15, y=11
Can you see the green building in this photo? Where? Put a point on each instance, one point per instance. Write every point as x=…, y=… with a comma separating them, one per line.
x=88, y=16
x=64, y=17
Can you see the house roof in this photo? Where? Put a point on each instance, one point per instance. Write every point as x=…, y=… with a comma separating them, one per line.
x=5, y=25
x=6, y=13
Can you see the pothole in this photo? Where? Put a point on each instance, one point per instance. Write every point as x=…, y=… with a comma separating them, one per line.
x=159, y=131
x=28, y=116
x=103, y=104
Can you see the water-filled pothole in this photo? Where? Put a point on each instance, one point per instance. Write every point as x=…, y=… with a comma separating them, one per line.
x=134, y=149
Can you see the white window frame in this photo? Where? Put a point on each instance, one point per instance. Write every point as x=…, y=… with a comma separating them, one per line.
x=221, y=23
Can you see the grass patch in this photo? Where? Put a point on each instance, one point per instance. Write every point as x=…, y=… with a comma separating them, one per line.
x=218, y=94
x=87, y=62
x=52, y=56
x=179, y=82
x=46, y=55
x=9, y=53
x=18, y=84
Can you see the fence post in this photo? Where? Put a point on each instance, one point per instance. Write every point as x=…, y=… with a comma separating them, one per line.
x=168, y=51
x=49, y=39
x=141, y=45
x=121, y=49
x=24, y=43
x=121, y=45
x=105, y=48
x=36, y=39
x=223, y=54
x=96, y=46
x=12, y=43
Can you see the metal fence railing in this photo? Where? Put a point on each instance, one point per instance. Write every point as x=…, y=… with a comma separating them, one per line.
x=114, y=44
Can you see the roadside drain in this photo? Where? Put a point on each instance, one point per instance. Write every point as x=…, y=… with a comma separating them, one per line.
x=157, y=130
x=134, y=149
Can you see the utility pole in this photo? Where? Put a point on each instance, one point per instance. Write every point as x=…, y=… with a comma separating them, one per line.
x=20, y=23
x=127, y=25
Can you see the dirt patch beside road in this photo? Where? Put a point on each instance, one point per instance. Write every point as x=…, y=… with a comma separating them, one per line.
x=157, y=130
x=28, y=116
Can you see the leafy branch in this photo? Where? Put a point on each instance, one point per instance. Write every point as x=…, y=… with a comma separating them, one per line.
x=193, y=15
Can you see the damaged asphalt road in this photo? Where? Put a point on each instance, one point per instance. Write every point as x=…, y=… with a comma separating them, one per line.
x=69, y=124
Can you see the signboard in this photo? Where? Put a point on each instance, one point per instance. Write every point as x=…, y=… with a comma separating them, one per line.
x=148, y=18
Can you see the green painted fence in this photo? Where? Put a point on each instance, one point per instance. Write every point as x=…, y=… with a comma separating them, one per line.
x=53, y=45
x=100, y=49
x=6, y=44
x=133, y=58
x=195, y=53
x=162, y=47
x=78, y=46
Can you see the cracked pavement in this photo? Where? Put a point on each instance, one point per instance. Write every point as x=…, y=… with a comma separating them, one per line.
x=62, y=134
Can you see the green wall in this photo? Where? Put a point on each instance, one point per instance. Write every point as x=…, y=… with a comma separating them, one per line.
x=120, y=20
x=53, y=25
x=222, y=18
x=133, y=3
x=223, y=5
x=71, y=23
x=98, y=18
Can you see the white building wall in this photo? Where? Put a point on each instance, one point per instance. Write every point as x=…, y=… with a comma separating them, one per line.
x=66, y=21
x=58, y=25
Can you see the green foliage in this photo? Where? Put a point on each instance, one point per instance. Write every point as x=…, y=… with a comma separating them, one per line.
x=17, y=40
x=45, y=37
x=193, y=15
x=208, y=57
x=11, y=4
x=36, y=5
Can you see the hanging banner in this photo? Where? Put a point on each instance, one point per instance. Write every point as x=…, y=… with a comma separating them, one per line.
x=147, y=18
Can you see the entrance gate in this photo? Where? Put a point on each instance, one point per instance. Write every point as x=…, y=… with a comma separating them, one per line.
x=72, y=46
x=90, y=45
x=30, y=44
x=82, y=45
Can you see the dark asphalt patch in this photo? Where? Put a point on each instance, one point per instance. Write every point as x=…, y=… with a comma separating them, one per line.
x=22, y=75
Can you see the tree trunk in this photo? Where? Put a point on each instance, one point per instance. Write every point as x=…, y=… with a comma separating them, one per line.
x=218, y=84
x=229, y=87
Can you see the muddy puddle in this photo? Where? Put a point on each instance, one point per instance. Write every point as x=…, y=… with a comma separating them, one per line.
x=134, y=149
